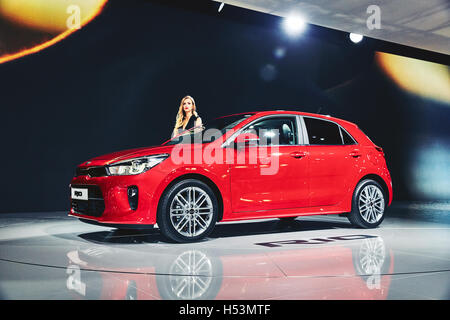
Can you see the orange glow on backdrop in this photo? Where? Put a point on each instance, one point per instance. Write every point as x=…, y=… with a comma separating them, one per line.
x=423, y=78
x=60, y=17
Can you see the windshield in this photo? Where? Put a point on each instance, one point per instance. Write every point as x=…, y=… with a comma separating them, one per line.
x=210, y=131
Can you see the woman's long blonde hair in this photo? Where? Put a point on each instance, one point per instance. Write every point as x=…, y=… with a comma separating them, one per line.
x=181, y=115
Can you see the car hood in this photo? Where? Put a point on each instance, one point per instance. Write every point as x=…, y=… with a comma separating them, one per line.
x=125, y=154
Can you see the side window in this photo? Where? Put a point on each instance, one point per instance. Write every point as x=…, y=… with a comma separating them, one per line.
x=321, y=132
x=275, y=131
x=347, y=138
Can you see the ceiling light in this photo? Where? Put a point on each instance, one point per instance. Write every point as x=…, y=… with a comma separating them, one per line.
x=356, y=37
x=294, y=25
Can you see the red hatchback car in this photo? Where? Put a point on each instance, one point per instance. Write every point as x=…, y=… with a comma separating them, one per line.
x=257, y=165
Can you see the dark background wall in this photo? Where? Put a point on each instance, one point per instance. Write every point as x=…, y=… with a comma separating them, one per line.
x=117, y=83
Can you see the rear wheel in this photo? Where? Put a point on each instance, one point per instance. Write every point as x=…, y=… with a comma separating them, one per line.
x=188, y=211
x=368, y=205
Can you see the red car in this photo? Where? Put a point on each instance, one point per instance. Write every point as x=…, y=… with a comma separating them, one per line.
x=273, y=164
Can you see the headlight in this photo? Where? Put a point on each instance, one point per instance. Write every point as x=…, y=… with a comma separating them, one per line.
x=136, y=165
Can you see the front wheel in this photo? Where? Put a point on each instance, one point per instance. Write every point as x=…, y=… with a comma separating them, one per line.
x=368, y=205
x=188, y=211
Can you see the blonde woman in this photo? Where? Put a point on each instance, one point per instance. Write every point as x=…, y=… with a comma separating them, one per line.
x=187, y=116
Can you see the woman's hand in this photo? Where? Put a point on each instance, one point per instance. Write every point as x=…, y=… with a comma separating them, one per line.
x=198, y=122
x=198, y=125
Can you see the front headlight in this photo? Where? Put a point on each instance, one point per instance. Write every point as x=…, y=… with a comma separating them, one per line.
x=135, y=165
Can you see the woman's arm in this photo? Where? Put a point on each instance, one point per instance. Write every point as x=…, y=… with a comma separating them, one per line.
x=198, y=125
x=174, y=132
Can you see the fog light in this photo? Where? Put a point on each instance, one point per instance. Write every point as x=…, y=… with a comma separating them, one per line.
x=133, y=197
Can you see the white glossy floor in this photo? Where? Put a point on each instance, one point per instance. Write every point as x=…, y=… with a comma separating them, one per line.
x=53, y=256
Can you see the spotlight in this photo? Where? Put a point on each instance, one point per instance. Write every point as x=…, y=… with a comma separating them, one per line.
x=279, y=52
x=268, y=72
x=221, y=6
x=356, y=37
x=294, y=25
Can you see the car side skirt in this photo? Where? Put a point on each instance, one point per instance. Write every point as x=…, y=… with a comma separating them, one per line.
x=282, y=213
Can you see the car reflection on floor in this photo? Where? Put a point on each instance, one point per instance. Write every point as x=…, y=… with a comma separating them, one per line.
x=352, y=268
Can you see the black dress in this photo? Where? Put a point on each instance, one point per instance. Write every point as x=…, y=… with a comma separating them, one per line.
x=189, y=125
x=191, y=122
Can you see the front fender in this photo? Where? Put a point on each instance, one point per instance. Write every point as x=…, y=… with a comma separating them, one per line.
x=220, y=178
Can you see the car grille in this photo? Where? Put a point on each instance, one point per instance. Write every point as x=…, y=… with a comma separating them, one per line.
x=91, y=171
x=94, y=206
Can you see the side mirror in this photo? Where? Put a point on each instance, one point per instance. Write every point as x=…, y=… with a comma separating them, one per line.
x=246, y=139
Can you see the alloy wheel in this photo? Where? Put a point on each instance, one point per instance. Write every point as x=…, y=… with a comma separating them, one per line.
x=371, y=203
x=191, y=211
x=190, y=275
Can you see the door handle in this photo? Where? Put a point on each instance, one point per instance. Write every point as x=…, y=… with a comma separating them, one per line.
x=297, y=154
x=355, y=154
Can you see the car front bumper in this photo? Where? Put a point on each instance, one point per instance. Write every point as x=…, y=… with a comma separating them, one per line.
x=108, y=200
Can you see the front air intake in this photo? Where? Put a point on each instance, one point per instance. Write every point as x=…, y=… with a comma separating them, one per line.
x=95, y=204
x=133, y=194
x=91, y=171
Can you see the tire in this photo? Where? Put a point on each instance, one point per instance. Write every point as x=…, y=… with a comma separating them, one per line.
x=368, y=205
x=188, y=211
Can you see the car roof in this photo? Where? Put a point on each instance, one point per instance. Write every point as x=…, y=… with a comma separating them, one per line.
x=315, y=115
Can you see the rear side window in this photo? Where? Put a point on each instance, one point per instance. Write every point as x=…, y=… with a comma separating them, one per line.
x=346, y=137
x=321, y=132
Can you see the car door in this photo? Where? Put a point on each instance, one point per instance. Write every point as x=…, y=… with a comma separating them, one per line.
x=271, y=174
x=333, y=161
